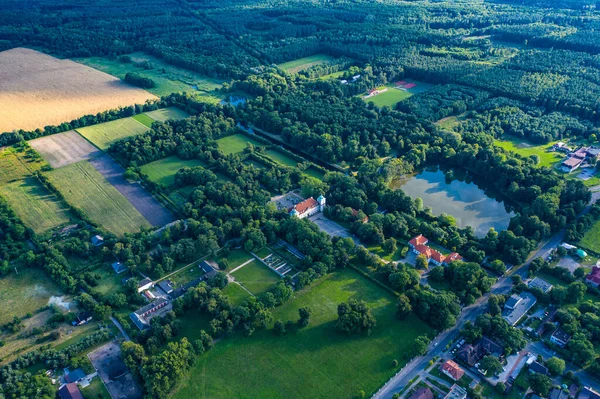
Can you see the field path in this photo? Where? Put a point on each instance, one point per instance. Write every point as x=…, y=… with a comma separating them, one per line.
x=141, y=200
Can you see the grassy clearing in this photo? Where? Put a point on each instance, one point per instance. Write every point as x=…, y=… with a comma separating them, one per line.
x=164, y=114
x=104, y=134
x=25, y=292
x=144, y=119
x=263, y=252
x=591, y=239
x=301, y=64
x=313, y=362
x=110, y=282
x=35, y=206
x=526, y=149
x=235, y=143
x=18, y=162
x=168, y=79
x=256, y=277
x=390, y=97
x=85, y=188
x=236, y=257
x=164, y=170
x=237, y=295
x=334, y=75
x=280, y=157
x=314, y=172
x=96, y=390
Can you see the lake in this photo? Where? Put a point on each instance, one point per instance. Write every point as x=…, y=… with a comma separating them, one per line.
x=464, y=200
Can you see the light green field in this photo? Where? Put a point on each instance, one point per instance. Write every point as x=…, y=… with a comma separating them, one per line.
x=25, y=292
x=96, y=390
x=526, y=149
x=281, y=157
x=144, y=119
x=168, y=79
x=165, y=114
x=305, y=63
x=237, y=295
x=236, y=257
x=85, y=188
x=17, y=162
x=103, y=135
x=256, y=277
x=314, y=172
x=235, y=143
x=34, y=205
x=334, y=75
x=315, y=361
x=164, y=170
x=390, y=97
x=591, y=239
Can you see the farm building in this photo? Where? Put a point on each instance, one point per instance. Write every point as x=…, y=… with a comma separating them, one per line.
x=452, y=370
x=560, y=337
x=144, y=285
x=308, y=207
x=141, y=317
x=82, y=318
x=70, y=391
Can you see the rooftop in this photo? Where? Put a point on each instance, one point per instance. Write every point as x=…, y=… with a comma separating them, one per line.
x=70, y=391
x=418, y=240
x=306, y=205
x=456, y=393
x=540, y=284
x=561, y=335
x=594, y=276
x=513, y=314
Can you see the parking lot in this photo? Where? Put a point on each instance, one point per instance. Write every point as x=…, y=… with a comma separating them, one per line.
x=107, y=360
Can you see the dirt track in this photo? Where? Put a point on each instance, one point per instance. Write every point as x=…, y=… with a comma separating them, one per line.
x=37, y=90
x=64, y=148
x=141, y=200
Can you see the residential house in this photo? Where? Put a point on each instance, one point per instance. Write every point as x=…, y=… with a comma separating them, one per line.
x=489, y=347
x=560, y=337
x=210, y=270
x=456, y=392
x=540, y=284
x=72, y=376
x=452, y=370
x=144, y=285
x=536, y=367
x=517, y=306
x=308, y=207
x=512, y=302
x=141, y=317
x=570, y=164
x=70, y=391
x=97, y=240
x=593, y=278
x=118, y=267
x=422, y=393
x=82, y=318
x=468, y=354
x=589, y=393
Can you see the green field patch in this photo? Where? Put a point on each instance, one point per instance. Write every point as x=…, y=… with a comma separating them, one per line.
x=164, y=170
x=96, y=390
x=591, y=239
x=236, y=257
x=334, y=75
x=39, y=209
x=85, y=188
x=256, y=277
x=280, y=157
x=314, y=172
x=389, y=97
x=237, y=295
x=256, y=164
x=317, y=360
x=110, y=282
x=164, y=114
x=17, y=162
x=103, y=135
x=25, y=291
x=167, y=78
x=187, y=275
x=263, y=252
x=144, y=119
x=301, y=64
x=235, y=143
x=525, y=149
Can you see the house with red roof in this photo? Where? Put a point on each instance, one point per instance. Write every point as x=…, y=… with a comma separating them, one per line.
x=418, y=240
x=593, y=278
x=308, y=207
x=452, y=370
x=419, y=247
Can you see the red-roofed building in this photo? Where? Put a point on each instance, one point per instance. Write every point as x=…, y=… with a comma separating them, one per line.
x=308, y=207
x=437, y=258
x=70, y=391
x=423, y=250
x=355, y=214
x=452, y=370
x=418, y=240
x=593, y=278
x=452, y=257
x=419, y=247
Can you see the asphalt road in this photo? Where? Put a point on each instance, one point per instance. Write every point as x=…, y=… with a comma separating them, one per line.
x=503, y=286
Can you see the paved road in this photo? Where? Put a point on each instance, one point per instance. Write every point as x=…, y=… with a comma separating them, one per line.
x=120, y=327
x=503, y=286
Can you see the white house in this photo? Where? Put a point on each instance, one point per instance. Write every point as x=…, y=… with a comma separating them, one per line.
x=308, y=207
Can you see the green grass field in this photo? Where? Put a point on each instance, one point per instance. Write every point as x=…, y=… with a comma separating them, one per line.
x=164, y=114
x=96, y=390
x=526, y=149
x=301, y=64
x=164, y=170
x=34, y=205
x=168, y=79
x=256, y=277
x=104, y=134
x=591, y=239
x=235, y=143
x=85, y=188
x=236, y=257
x=237, y=295
x=144, y=119
x=390, y=97
x=16, y=163
x=25, y=292
x=314, y=172
x=280, y=157
x=313, y=362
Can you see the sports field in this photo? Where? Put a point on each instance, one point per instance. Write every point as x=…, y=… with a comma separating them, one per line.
x=591, y=239
x=39, y=209
x=64, y=148
x=235, y=143
x=17, y=162
x=526, y=149
x=165, y=114
x=256, y=277
x=390, y=97
x=313, y=362
x=305, y=63
x=164, y=170
x=103, y=135
x=85, y=188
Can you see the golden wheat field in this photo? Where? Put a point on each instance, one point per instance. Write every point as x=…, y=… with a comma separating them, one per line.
x=38, y=90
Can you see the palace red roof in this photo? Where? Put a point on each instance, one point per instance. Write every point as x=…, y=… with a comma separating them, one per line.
x=306, y=205
x=436, y=256
x=418, y=240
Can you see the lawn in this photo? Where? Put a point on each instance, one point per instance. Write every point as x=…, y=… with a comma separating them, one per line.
x=526, y=149
x=236, y=257
x=96, y=390
x=144, y=119
x=256, y=277
x=17, y=162
x=235, y=143
x=314, y=172
x=313, y=362
x=164, y=114
x=86, y=189
x=301, y=64
x=237, y=295
x=280, y=157
x=263, y=252
x=36, y=207
x=110, y=282
x=25, y=292
x=103, y=135
x=164, y=170
x=390, y=97
x=591, y=239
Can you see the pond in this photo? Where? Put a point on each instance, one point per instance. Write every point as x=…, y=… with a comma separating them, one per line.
x=461, y=198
